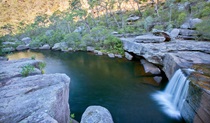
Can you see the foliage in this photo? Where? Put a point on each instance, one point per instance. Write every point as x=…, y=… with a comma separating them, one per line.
x=181, y=18
x=41, y=66
x=73, y=39
x=148, y=23
x=26, y=70
x=113, y=44
x=204, y=29
x=33, y=57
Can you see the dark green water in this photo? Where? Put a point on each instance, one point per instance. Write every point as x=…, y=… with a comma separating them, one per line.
x=119, y=85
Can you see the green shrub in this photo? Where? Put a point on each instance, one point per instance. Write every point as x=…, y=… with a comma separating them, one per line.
x=26, y=70
x=73, y=39
x=159, y=27
x=56, y=37
x=88, y=39
x=33, y=57
x=41, y=66
x=148, y=23
x=113, y=44
x=181, y=18
x=204, y=29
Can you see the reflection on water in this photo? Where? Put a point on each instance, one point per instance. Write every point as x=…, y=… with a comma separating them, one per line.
x=117, y=84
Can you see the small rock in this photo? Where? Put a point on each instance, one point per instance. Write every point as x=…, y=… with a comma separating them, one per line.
x=8, y=49
x=158, y=79
x=22, y=47
x=79, y=29
x=70, y=49
x=90, y=49
x=150, y=68
x=118, y=56
x=56, y=46
x=134, y=18
x=96, y=114
x=114, y=33
x=8, y=43
x=45, y=47
x=149, y=39
x=174, y=33
x=128, y=56
x=26, y=40
x=98, y=52
x=111, y=55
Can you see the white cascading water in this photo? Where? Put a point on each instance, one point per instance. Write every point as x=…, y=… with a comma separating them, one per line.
x=173, y=97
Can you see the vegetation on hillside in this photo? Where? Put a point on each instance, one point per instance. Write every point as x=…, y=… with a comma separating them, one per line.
x=92, y=25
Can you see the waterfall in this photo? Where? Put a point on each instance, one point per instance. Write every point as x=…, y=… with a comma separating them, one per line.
x=173, y=97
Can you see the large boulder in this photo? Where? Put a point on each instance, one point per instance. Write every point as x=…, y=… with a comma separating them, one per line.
x=191, y=23
x=22, y=47
x=37, y=98
x=26, y=40
x=96, y=114
x=174, y=33
x=149, y=39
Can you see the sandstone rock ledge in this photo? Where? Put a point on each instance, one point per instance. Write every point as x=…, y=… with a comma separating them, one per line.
x=36, y=98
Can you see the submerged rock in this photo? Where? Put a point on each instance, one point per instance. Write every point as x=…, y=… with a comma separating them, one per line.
x=128, y=56
x=150, y=68
x=96, y=114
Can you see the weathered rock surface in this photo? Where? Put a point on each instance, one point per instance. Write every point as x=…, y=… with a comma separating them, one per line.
x=128, y=56
x=150, y=68
x=24, y=98
x=183, y=59
x=37, y=98
x=11, y=69
x=155, y=52
x=96, y=114
x=26, y=40
x=196, y=106
x=22, y=47
x=45, y=47
x=149, y=39
x=158, y=79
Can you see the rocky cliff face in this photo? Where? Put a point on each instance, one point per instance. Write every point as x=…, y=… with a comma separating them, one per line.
x=36, y=98
x=179, y=54
x=196, y=107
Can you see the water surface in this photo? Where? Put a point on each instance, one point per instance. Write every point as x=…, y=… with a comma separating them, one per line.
x=119, y=85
